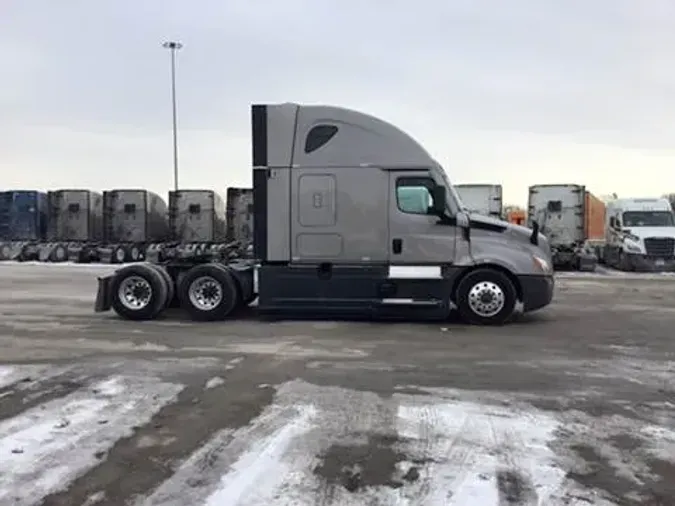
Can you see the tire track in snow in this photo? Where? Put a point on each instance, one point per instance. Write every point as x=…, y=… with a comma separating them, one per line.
x=35, y=385
x=439, y=452
x=175, y=431
x=46, y=447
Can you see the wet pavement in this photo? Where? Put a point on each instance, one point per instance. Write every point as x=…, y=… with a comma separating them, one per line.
x=574, y=404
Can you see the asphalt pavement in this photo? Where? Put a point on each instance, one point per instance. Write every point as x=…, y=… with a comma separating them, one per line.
x=574, y=404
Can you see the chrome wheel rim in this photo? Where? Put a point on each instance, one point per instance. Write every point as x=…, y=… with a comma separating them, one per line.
x=205, y=293
x=486, y=299
x=135, y=293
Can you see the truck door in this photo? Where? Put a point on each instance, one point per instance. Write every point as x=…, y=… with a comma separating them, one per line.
x=415, y=236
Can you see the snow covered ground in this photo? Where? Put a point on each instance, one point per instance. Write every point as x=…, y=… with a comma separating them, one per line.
x=321, y=445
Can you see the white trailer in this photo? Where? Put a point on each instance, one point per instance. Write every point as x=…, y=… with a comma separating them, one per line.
x=483, y=199
x=563, y=211
x=640, y=235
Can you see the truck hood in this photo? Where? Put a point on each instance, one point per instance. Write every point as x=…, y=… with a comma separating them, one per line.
x=516, y=233
x=644, y=232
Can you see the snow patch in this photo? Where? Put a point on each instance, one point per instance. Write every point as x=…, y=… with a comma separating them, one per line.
x=10, y=374
x=257, y=475
x=214, y=382
x=459, y=452
x=45, y=448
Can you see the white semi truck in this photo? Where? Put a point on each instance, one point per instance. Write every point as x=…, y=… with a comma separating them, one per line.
x=640, y=235
x=352, y=218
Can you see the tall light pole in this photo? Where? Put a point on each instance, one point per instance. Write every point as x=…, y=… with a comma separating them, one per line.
x=174, y=46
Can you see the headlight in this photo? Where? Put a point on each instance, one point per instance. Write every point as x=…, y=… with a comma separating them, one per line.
x=632, y=247
x=541, y=263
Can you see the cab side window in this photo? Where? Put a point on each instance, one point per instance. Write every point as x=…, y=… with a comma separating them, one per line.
x=413, y=194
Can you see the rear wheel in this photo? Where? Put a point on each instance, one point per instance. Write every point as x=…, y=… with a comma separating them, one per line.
x=139, y=292
x=208, y=292
x=170, y=290
x=486, y=297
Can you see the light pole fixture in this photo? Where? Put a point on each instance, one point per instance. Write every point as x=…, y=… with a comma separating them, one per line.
x=174, y=47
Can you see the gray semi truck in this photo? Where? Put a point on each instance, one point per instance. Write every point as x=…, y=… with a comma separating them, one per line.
x=337, y=232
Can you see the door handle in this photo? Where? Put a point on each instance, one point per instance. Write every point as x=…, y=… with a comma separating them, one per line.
x=397, y=246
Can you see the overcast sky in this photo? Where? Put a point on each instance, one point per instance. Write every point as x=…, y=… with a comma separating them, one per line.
x=517, y=92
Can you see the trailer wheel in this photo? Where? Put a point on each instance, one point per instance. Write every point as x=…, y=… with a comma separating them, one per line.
x=138, y=292
x=135, y=254
x=60, y=253
x=119, y=254
x=208, y=292
x=486, y=297
x=170, y=290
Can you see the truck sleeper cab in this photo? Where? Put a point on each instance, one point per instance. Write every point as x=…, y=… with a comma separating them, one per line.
x=352, y=217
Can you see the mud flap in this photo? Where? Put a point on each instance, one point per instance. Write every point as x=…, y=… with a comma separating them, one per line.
x=103, y=295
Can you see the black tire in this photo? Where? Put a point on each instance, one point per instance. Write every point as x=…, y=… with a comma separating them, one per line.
x=119, y=255
x=219, y=278
x=60, y=253
x=135, y=253
x=495, y=282
x=156, y=299
x=170, y=290
x=624, y=263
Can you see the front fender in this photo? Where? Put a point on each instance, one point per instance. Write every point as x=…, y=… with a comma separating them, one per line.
x=511, y=257
x=492, y=260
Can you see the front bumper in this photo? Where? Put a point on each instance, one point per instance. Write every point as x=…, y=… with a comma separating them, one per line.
x=537, y=291
x=644, y=263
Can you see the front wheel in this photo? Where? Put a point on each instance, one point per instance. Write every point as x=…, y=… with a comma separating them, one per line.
x=486, y=297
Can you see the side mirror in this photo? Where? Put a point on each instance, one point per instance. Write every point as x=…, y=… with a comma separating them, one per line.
x=612, y=222
x=438, y=195
x=617, y=223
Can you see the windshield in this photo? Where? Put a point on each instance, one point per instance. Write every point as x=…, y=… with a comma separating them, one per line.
x=648, y=219
x=454, y=202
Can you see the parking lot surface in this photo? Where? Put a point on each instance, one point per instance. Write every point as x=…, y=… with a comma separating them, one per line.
x=572, y=405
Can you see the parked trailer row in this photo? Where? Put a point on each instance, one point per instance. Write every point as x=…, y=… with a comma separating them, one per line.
x=121, y=225
x=634, y=234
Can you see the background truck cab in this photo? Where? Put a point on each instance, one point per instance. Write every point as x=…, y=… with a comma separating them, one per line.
x=640, y=235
